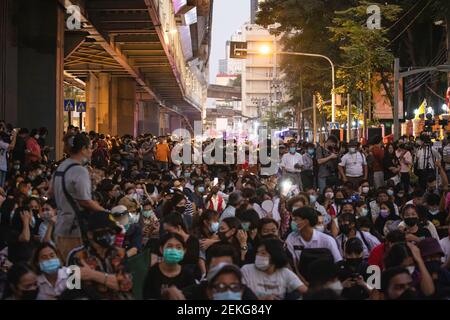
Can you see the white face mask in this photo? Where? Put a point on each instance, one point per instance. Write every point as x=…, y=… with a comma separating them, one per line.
x=365, y=190
x=134, y=218
x=262, y=263
x=352, y=150
x=434, y=212
x=411, y=269
x=329, y=195
x=320, y=228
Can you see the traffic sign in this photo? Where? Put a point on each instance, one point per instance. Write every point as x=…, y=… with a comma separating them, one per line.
x=81, y=106
x=334, y=125
x=69, y=105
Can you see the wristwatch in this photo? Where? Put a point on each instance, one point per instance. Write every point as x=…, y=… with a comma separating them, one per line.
x=244, y=248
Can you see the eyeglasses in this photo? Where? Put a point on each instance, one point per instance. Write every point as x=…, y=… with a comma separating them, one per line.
x=222, y=287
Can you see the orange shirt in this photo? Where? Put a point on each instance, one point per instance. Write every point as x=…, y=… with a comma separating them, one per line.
x=162, y=152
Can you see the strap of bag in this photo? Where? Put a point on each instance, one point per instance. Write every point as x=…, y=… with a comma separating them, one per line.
x=78, y=215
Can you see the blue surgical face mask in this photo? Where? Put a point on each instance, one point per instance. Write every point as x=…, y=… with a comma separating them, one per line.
x=293, y=150
x=227, y=295
x=246, y=226
x=312, y=198
x=148, y=213
x=50, y=266
x=201, y=189
x=311, y=152
x=294, y=226
x=214, y=227
x=172, y=255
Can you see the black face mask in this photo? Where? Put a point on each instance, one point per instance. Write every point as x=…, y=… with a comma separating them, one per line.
x=411, y=222
x=180, y=210
x=106, y=240
x=338, y=201
x=354, y=263
x=433, y=266
x=29, y=294
x=345, y=228
x=408, y=295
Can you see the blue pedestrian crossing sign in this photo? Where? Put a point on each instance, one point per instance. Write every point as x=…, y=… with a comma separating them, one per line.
x=69, y=105
x=81, y=106
x=334, y=125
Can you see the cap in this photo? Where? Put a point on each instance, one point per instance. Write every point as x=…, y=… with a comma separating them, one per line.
x=221, y=268
x=429, y=247
x=119, y=211
x=102, y=220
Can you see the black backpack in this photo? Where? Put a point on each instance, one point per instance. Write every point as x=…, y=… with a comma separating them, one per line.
x=311, y=255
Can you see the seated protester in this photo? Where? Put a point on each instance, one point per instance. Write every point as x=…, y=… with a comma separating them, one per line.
x=269, y=278
x=401, y=198
x=102, y=263
x=20, y=244
x=423, y=212
x=22, y=282
x=314, y=201
x=249, y=220
x=268, y=227
x=173, y=223
x=130, y=237
x=397, y=284
x=432, y=255
x=378, y=253
x=411, y=224
x=215, y=255
x=435, y=215
x=386, y=216
x=347, y=207
x=151, y=226
x=178, y=203
x=348, y=229
x=52, y=276
x=353, y=271
x=375, y=205
x=207, y=225
x=225, y=283
x=197, y=196
x=231, y=231
x=407, y=255
x=339, y=197
x=324, y=275
x=361, y=209
x=168, y=272
x=417, y=198
x=364, y=190
x=304, y=236
x=322, y=224
x=47, y=226
x=34, y=205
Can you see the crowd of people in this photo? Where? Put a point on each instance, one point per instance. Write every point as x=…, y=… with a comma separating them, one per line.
x=337, y=221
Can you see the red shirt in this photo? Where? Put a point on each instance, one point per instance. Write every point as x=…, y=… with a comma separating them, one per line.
x=376, y=256
x=35, y=149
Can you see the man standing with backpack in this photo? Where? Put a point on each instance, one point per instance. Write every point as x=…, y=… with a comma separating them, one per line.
x=71, y=189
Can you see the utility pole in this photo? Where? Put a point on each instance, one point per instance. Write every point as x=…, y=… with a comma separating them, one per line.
x=349, y=117
x=396, y=98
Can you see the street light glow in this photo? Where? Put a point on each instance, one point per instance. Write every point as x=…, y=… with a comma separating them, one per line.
x=265, y=49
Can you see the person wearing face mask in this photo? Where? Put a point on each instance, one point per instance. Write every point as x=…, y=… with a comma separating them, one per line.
x=214, y=200
x=168, y=273
x=364, y=189
x=269, y=278
x=361, y=209
x=225, y=283
x=327, y=160
x=130, y=237
x=268, y=228
x=307, y=174
x=304, y=236
x=348, y=229
x=407, y=255
x=324, y=276
x=411, y=224
x=22, y=283
x=151, y=226
x=353, y=165
x=102, y=264
x=387, y=216
x=198, y=196
x=437, y=216
x=391, y=163
x=377, y=152
x=291, y=164
x=6, y=146
x=353, y=271
x=397, y=284
x=52, y=276
x=71, y=190
x=406, y=160
x=47, y=226
x=20, y=243
x=374, y=205
x=426, y=159
x=432, y=254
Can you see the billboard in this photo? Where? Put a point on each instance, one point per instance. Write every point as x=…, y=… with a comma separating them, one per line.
x=382, y=109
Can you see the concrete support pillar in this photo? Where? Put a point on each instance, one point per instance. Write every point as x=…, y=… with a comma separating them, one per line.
x=149, y=118
x=103, y=118
x=91, y=102
x=126, y=105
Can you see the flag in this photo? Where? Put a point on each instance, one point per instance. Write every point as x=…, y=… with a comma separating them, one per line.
x=422, y=109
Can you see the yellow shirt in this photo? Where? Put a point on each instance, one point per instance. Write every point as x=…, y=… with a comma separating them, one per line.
x=162, y=152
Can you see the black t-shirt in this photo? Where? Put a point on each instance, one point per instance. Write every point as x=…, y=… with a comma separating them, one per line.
x=198, y=292
x=439, y=219
x=156, y=280
x=19, y=149
x=422, y=232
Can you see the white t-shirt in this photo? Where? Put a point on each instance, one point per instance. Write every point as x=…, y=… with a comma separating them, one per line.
x=318, y=240
x=280, y=283
x=353, y=164
x=49, y=292
x=288, y=162
x=445, y=245
x=3, y=154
